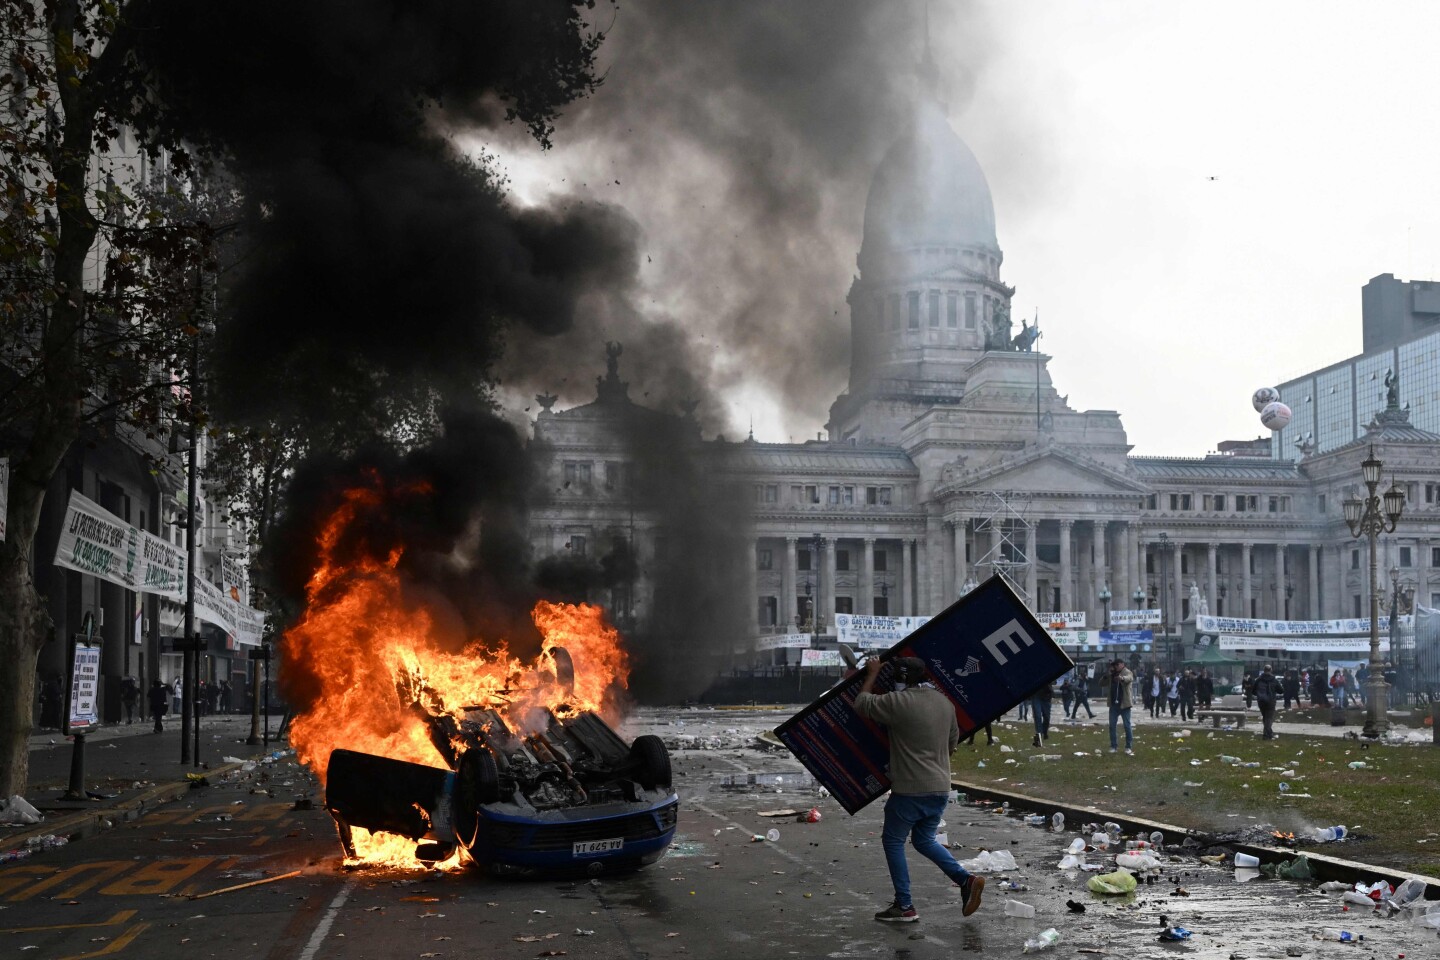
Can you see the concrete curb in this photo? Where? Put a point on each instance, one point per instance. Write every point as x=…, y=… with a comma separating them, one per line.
x=88, y=823
x=1326, y=867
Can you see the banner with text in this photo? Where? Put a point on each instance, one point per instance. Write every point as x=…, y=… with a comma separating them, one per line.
x=1135, y=616
x=871, y=633
x=1290, y=628
x=783, y=641
x=96, y=542
x=1300, y=644
x=821, y=658
x=1062, y=620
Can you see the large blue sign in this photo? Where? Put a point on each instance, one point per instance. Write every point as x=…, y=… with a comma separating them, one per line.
x=986, y=653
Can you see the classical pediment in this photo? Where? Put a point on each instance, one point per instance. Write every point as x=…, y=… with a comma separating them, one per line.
x=1051, y=470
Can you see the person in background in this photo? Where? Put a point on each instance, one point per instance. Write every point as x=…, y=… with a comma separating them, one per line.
x=1337, y=688
x=1267, y=690
x=1291, y=687
x=130, y=696
x=1120, y=702
x=178, y=689
x=923, y=734
x=1172, y=693
x=1040, y=709
x=1067, y=696
x=1204, y=689
x=1392, y=677
x=1157, y=694
x=159, y=701
x=1362, y=677
x=1147, y=694
x=1185, y=686
x=1082, y=694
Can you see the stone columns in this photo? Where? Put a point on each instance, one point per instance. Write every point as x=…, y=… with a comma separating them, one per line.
x=1179, y=548
x=1313, y=568
x=1142, y=556
x=932, y=567
x=752, y=577
x=1030, y=571
x=1279, y=581
x=1102, y=563
x=867, y=579
x=1245, y=549
x=787, y=589
x=1066, y=600
x=907, y=578
x=825, y=611
x=962, y=568
x=1210, y=568
x=923, y=606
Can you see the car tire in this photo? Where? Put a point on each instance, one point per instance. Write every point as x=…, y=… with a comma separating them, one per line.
x=652, y=762
x=477, y=782
x=564, y=670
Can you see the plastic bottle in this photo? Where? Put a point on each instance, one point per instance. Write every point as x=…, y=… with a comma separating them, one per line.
x=1034, y=820
x=1229, y=760
x=1013, y=886
x=1077, y=846
x=1357, y=764
x=1047, y=939
x=1157, y=839
x=1014, y=908
x=1324, y=834
x=1057, y=821
x=1101, y=841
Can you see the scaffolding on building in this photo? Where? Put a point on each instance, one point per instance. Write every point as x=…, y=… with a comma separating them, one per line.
x=1002, y=514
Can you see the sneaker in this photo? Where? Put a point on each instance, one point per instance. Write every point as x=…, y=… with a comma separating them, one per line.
x=897, y=914
x=1114, y=750
x=970, y=889
x=1036, y=741
x=1129, y=752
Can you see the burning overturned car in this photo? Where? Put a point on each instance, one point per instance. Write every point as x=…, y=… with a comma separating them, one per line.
x=569, y=796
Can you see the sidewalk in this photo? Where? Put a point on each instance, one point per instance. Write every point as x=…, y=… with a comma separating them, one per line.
x=131, y=768
x=1399, y=722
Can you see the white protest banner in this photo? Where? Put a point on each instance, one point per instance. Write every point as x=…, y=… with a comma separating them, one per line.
x=1290, y=628
x=1062, y=620
x=249, y=625
x=95, y=541
x=162, y=568
x=233, y=580
x=783, y=641
x=1135, y=616
x=84, y=688
x=1071, y=638
x=870, y=633
x=821, y=658
x=1300, y=644
x=212, y=606
x=4, y=492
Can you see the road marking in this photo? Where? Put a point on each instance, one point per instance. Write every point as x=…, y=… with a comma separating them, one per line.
x=323, y=929
x=120, y=917
x=114, y=946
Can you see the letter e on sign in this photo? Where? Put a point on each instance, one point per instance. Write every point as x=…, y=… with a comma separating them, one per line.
x=1012, y=635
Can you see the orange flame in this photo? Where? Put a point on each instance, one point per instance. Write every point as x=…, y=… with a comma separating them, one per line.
x=366, y=650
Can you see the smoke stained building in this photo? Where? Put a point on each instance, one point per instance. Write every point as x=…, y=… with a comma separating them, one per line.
x=951, y=456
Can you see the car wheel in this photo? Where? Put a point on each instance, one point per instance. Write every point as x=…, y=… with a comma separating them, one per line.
x=652, y=762
x=564, y=670
x=476, y=783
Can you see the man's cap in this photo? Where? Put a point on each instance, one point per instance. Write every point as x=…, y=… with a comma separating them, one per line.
x=909, y=670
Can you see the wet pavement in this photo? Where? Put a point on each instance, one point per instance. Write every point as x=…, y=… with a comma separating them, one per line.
x=718, y=893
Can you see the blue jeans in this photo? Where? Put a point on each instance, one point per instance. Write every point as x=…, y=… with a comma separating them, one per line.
x=915, y=815
x=1115, y=714
x=1041, y=710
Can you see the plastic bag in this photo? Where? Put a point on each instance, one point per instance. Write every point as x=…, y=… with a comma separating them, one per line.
x=1137, y=861
x=1297, y=869
x=991, y=861
x=19, y=810
x=1121, y=881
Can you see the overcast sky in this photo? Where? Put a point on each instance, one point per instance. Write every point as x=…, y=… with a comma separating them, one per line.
x=1191, y=195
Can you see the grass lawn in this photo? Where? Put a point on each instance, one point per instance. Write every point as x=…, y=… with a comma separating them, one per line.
x=1392, y=805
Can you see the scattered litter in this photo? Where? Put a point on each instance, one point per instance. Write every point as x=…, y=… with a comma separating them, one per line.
x=991, y=861
x=47, y=842
x=19, y=810
x=1297, y=869
x=242, y=886
x=1121, y=881
x=1075, y=907
x=1173, y=934
x=1047, y=939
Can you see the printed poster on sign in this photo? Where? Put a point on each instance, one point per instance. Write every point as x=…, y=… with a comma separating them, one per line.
x=986, y=653
x=1134, y=617
x=82, y=715
x=821, y=658
x=783, y=641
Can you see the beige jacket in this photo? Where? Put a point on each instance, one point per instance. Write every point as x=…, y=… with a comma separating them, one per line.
x=923, y=734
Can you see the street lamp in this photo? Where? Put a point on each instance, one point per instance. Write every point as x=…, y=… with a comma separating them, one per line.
x=1402, y=598
x=1105, y=596
x=1369, y=518
x=1139, y=597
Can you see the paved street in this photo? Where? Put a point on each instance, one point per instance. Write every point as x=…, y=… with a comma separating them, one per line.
x=126, y=892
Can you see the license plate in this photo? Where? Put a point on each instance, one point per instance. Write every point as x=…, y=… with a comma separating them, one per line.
x=588, y=847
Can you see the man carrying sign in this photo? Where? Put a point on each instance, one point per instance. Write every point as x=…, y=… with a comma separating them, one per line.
x=923, y=733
